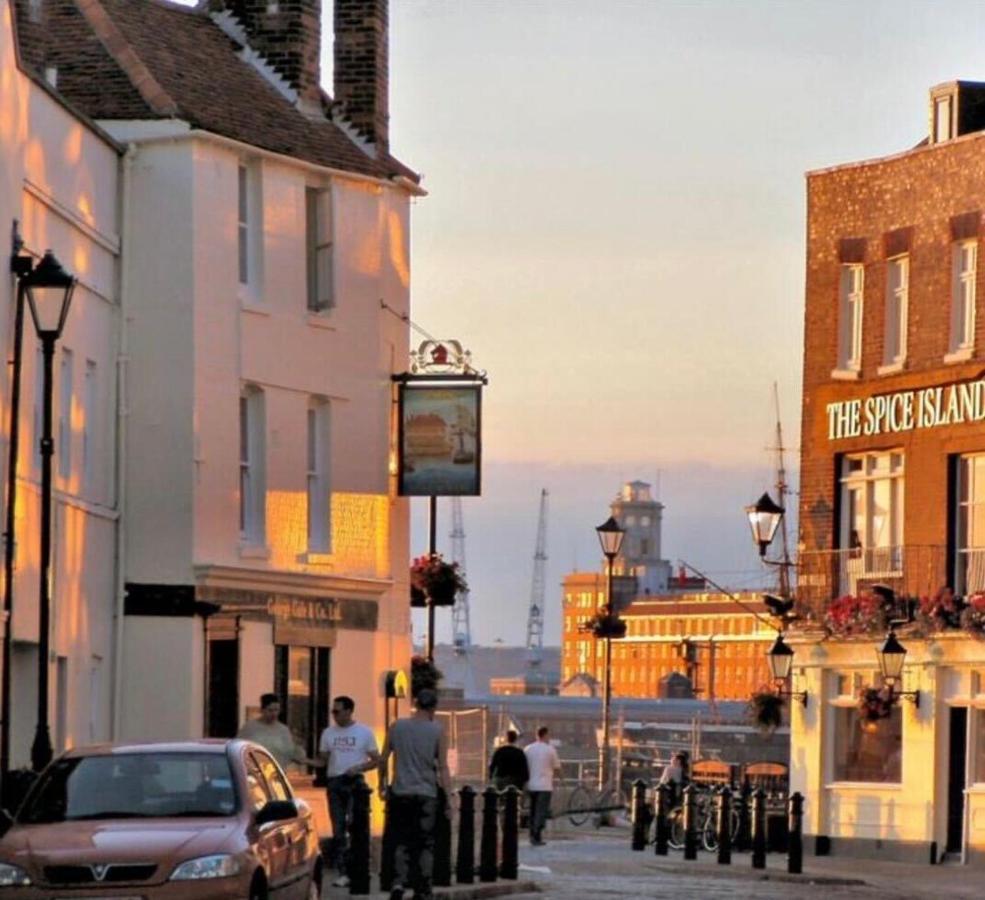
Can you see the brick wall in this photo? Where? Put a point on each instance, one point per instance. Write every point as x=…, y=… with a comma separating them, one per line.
x=921, y=191
x=362, y=67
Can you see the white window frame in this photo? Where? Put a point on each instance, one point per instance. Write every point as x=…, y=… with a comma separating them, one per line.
x=969, y=547
x=897, y=304
x=252, y=467
x=943, y=119
x=65, y=398
x=851, y=295
x=964, y=268
x=871, y=541
x=319, y=214
x=90, y=425
x=318, y=483
x=249, y=230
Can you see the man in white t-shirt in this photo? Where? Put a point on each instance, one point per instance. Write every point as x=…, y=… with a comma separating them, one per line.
x=543, y=762
x=349, y=749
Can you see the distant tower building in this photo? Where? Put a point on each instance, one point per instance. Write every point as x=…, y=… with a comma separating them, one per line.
x=641, y=516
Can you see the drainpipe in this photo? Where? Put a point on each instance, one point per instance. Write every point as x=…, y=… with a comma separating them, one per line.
x=122, y=413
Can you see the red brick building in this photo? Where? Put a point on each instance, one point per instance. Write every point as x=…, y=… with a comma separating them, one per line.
x=893, y=493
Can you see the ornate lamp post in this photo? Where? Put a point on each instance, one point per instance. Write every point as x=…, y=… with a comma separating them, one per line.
x=764, y=520
x=49, y=293
x=610, y=537
x=892, y=655
x=780, y=659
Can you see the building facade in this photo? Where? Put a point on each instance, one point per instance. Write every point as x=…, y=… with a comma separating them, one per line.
x=717, y=644
x=892, y=490
x=59, y=179
x=256, y=541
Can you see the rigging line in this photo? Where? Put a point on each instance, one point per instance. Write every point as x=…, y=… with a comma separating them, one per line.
x=732, y=597
x=404, y=317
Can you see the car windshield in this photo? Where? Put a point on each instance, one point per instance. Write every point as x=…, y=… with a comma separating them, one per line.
x=131, y=786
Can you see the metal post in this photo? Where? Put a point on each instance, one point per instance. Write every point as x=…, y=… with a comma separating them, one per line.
x=509, y=867
x=487, y=846
x=13, y=432
x=465, y=860
x=759, y=829
x=604, y=779
x=441, y=873
x=432, y=550
x=690, y=824
x=663, y=804
x=743, y=840
x=41, y=751
x=387, y=847
x=358, y=863
x=639, y=814
x=724, y=823
x=795, y=840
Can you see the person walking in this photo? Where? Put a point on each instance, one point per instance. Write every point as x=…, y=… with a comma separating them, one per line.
x=543, y=762
x=348, y=749
x=508, y=766
x=273, y=735
x=420, y=782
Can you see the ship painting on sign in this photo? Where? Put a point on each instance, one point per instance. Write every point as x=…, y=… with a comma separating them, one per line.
x=440, y=436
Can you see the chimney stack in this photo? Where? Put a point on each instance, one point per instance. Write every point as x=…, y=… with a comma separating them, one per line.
x=362, y=68
x=287, y=34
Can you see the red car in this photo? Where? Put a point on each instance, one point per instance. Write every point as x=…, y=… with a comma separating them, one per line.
x=181, y=821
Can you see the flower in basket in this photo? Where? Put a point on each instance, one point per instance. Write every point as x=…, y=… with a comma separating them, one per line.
x=604, y=624
x=943, y=610
x=875, y=703
x=431, y=576
x=973, y=615
x=862, y=614
x=766, y=710
x=423, y=674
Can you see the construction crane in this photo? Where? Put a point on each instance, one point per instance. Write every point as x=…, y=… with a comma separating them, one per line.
x=460, y=628
x=535, y=617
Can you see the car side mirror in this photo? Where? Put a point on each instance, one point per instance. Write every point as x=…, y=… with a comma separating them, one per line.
x=276, y=811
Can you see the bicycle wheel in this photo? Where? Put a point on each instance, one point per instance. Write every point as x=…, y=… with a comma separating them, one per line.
x=709, y=833
x=676, y=838
x=580, y=803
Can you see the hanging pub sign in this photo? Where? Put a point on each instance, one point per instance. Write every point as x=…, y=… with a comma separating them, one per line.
x=440, y=446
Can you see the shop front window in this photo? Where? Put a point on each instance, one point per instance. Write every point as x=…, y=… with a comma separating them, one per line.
x=867, y=751
x=302, y=685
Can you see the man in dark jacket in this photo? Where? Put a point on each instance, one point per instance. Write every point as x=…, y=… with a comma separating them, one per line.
x=508, y=765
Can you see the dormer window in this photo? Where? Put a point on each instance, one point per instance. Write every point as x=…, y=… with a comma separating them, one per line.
x=943, y=119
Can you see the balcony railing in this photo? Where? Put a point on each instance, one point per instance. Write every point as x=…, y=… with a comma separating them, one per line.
x=910, y=571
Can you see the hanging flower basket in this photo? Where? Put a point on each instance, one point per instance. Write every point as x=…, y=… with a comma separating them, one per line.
x=604, y=624
x=766, y=710
x=875, y=703
x=431, y=576
x=423, y=674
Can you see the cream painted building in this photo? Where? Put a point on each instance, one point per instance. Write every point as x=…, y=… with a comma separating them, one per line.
x=59, y=191
x=261, y=311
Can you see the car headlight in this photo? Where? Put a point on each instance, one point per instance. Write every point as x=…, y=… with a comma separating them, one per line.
x=221, y=865
x=13, y=876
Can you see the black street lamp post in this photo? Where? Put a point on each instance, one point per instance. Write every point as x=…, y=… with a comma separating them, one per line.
x=780, y=659
x=610, y=537
x=49, y=292
x=764, y=519
x=891, y=655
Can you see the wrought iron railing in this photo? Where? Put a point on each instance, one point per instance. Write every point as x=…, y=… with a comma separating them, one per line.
x=909, y=571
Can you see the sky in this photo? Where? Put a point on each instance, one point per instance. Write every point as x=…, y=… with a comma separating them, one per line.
x=615, y=228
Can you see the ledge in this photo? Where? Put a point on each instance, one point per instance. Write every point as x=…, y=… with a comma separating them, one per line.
x=846, y=374
x=962, y=354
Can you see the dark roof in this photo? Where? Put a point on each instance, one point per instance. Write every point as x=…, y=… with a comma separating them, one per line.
x=151, y=59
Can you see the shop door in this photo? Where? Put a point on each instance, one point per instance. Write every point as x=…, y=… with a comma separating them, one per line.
x=956, y=777
x=223, y=699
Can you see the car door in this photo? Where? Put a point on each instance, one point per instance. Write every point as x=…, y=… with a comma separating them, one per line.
x=295, y=831
x=271, y=840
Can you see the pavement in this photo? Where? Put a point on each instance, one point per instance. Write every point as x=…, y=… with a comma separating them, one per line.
x=600, y=865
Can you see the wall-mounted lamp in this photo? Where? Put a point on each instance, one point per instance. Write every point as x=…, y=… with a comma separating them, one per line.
x=780, y=659
x=892, y=655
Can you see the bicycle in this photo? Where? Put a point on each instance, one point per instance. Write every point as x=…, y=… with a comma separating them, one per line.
x=706, y=814
x=585, y=803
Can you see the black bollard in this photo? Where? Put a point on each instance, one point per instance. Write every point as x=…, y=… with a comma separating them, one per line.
x=641, y=819
x=690, y=824
x=724, y=823
x=743, y=840
x=465, y=861
x=387, y=847
x=511, y=834
x=441, y=874
x=795, y=840
x=662, y=825
x=487, y=847
x=358, y=862
x=759, y=829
